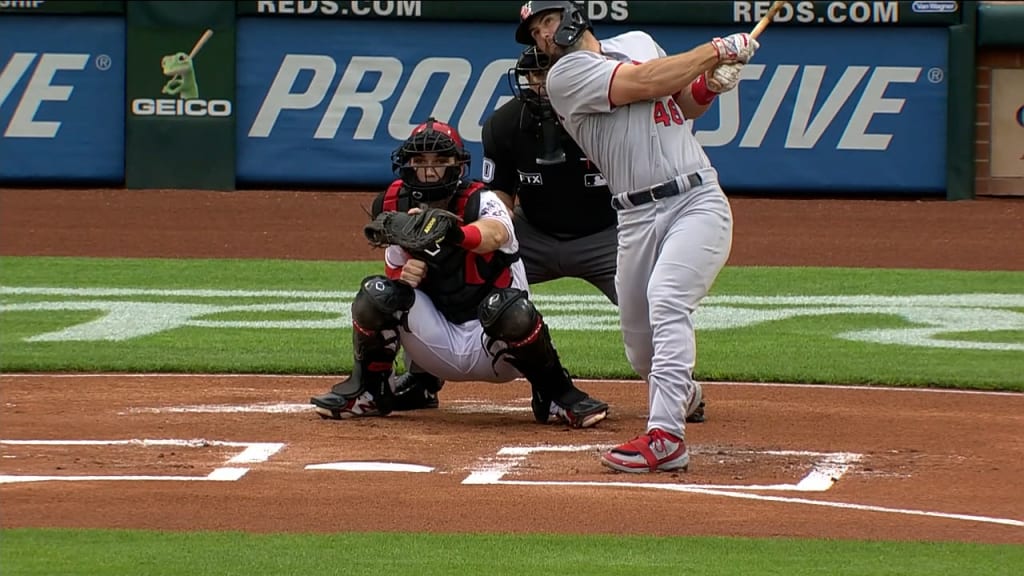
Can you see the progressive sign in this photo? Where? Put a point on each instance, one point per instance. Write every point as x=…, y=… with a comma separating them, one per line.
x=325, y=102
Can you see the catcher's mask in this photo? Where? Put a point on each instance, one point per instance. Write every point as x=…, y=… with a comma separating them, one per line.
x=431, y=162
x=570, y=30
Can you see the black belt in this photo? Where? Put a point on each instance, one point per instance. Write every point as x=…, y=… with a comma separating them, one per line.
x=670, y=188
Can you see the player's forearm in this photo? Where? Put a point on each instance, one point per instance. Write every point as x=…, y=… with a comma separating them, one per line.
x=493, y=235
x=688, y=104
x=673, y=74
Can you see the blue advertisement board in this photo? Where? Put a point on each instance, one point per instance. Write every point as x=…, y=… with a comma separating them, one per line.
x=325, y=102
x=62, y=98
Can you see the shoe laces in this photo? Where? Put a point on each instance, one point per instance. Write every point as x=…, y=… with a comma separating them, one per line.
x=661, y=437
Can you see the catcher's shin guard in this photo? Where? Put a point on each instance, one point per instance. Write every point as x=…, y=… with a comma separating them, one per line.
x=377, y=311
x=508, y=316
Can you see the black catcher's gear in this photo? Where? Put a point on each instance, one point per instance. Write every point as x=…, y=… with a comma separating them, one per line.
x=574, y=21
x=378, y=310
x=457, y=280
x=508, y=316
x=441, y=139
x=420, y=232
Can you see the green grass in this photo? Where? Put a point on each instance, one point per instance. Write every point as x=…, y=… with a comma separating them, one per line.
x=142, y=553
x=801, y=349
x=808, y=348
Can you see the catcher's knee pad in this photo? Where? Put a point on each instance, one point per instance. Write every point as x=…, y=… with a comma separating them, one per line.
x=508, y=316
x=381, y=302
x=377, y=312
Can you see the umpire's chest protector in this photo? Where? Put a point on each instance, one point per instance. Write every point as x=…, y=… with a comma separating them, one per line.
x=457, y=280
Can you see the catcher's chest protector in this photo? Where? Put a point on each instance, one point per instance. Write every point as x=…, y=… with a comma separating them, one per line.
x=457, y=280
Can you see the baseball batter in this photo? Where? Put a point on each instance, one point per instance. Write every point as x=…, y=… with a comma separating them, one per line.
x=626, y=103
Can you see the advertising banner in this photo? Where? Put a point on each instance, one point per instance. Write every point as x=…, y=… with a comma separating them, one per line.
x=325, y=102
x=886, y=13
x=61, y=98
x=62, y=6
x=181, y=93
x=1007, y=123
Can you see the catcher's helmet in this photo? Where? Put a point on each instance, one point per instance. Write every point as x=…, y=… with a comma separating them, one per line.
x=574, y=21
x=531, y=61
x=431, y=137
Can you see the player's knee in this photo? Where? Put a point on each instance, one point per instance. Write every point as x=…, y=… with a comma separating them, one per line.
x=508, y=315
x=380, y=302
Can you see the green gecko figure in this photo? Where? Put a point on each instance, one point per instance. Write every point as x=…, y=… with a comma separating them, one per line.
x=183, y=76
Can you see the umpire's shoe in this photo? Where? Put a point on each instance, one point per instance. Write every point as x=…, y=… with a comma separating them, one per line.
x=416, y=391
x=695, y=411
x=352, y=398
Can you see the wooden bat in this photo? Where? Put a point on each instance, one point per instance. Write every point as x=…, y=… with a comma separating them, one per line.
x=204, y=39
x=776, y=6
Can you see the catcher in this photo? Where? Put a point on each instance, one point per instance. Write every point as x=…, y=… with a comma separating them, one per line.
x=454, y=294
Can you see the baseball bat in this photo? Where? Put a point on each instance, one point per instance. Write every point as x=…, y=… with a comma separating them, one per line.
x=204, y=39
x=776, y=6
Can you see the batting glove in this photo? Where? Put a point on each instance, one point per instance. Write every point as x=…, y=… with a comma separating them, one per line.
x=724, y=77
x=735, y=48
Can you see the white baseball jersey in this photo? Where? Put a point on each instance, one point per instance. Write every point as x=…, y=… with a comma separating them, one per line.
x=636, y=146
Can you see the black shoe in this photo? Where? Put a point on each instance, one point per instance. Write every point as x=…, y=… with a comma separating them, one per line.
x=416, y=391
x=698, y=415
x=582, y=413
x=345, y=400
x=363, y=393
x=574, y=408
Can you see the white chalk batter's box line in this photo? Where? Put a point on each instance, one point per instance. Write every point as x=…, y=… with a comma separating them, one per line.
x=826, y=471
x=252, y=453
x=828, y=468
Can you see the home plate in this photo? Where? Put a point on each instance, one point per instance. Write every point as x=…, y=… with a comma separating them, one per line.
x=370, y=467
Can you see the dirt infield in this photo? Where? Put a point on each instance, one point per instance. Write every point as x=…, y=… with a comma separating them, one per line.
x=232, y=452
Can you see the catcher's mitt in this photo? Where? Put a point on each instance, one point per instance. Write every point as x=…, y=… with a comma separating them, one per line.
x=420, y=232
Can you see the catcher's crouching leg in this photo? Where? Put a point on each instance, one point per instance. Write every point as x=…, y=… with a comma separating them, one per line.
x=508, y=316
x=377, y=312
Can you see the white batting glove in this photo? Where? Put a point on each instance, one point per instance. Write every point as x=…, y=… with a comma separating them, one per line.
x=735, y=48
x=724, y=77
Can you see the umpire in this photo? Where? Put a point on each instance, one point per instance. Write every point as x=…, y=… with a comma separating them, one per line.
x=565, y=223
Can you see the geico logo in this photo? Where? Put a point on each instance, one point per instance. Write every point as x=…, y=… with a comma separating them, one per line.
x=288, y=94
x=174, y=107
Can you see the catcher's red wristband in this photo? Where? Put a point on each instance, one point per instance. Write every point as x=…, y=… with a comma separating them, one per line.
x=701, y=93
x=472, y=239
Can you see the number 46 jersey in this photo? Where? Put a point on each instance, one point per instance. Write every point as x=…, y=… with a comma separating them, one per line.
x=638, y=145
